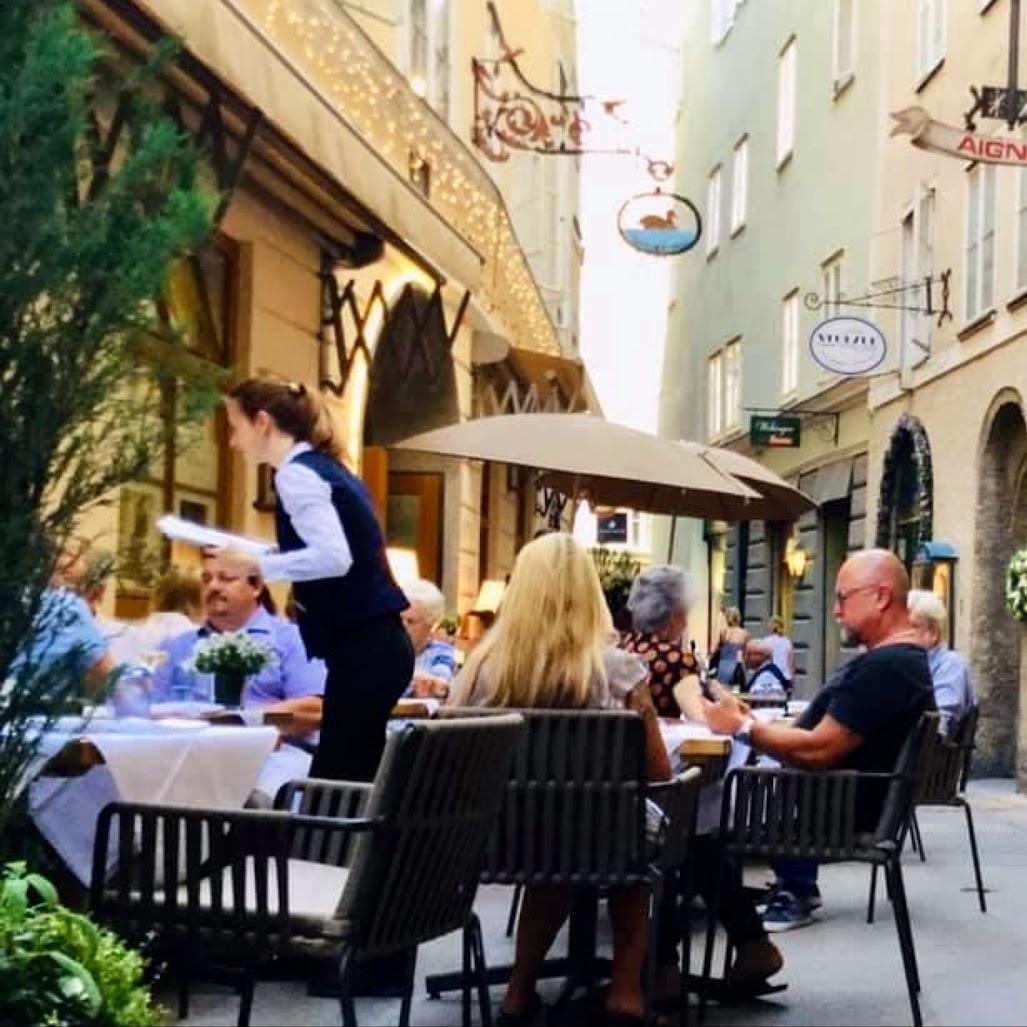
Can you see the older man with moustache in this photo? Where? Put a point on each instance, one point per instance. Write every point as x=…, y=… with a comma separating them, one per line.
x=231, y=602
x=861, y=718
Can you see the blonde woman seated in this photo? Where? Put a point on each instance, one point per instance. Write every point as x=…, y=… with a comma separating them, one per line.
x=549, y=648
x=659, y=603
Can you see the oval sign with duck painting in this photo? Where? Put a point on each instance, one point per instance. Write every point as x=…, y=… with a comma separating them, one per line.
x=660, y=224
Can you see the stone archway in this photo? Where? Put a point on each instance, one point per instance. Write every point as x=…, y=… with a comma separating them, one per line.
x=905, y=511
x=997, y=640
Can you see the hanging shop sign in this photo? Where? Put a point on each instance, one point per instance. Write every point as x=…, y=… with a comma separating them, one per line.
x=937, y=137
x=660, y=224
x=777, y=432
x=848, y=345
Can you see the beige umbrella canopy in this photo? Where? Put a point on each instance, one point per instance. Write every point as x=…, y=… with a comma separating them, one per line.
x=779, y=501
x=587, y=457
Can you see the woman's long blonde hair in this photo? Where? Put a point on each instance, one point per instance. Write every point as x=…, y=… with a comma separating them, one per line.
x=546, y=647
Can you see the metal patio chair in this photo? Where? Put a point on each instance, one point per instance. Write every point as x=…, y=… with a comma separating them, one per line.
x=944, y=784
x=239, y=889
x=574, y=815
x=776, y=814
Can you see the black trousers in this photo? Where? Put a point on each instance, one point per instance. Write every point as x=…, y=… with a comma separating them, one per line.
x=368, y=671
x=738, y=914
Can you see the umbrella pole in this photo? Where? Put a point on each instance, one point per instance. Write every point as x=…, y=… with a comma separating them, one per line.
x=670, y=543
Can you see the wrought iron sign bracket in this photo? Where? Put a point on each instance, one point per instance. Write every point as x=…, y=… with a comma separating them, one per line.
x=934, y=303
x=823, y=421
x=1006, y=103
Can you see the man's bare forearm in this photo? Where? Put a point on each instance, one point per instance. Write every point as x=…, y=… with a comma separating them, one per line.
x=792, y=746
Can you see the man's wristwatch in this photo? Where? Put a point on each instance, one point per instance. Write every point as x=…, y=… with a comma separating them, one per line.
x=744, y=733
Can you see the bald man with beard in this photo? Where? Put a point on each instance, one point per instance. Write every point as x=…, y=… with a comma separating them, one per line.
x=861, y=718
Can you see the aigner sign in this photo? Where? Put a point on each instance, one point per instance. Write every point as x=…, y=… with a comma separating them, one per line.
x=848, y=345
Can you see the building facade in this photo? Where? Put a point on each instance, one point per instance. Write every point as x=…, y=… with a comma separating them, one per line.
x=366, y=249
x=804, y=191
x=948, y=440
x=787, y=207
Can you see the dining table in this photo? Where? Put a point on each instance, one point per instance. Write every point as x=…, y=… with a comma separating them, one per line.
x=83, y=763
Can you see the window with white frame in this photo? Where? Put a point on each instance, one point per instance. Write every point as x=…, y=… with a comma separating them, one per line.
x=713, y=211
x=980, y=239
x=844, y=40
x=1021, y=231
x=733, y=384
x=790, y=343
x=739, y=184
x=831, y=290
x=714, y=395
x=917, y=265
x=428, y=52
x=722, y=17
x=930, y=35
x=787, y=97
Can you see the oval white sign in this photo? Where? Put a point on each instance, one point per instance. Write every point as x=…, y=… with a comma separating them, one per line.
x=848, y=345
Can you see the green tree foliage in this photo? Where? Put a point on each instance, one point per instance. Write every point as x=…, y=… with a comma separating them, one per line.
x=98, y=196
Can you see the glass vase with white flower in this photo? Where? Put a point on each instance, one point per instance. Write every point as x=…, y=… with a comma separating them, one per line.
x=232, y=657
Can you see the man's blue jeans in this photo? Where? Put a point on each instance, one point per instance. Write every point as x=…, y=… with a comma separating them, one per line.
x=797, y=876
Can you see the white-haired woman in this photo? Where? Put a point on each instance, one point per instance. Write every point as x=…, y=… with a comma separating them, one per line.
x=953, y=691
x=659, y=602
x=550, y=648
x=434, y=660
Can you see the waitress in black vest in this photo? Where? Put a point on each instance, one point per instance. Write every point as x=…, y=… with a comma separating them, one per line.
x=331, y=549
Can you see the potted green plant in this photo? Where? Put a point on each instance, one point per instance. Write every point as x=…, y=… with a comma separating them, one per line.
x=59, y=967
x=617, y=571
x=231, y=657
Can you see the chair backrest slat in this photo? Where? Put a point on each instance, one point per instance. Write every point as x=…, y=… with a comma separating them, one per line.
x=573, y=807
x=794, y=814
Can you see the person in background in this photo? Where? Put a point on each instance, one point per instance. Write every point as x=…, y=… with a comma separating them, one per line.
x=550, y=649
x=434, y=660
x=764, y=675
x=782, y=649
x=728, y=662
x=953, y=691
x=66, y=637
x=177, y=608
x=659, y=602
x=231, y=602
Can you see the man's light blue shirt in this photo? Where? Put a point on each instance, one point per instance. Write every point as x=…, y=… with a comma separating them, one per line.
x=953, y=692
x=437, y=659
x=64, y=631
x=293, y=675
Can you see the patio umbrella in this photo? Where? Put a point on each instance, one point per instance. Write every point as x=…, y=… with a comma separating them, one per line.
x=587, y=457
x=780, y=501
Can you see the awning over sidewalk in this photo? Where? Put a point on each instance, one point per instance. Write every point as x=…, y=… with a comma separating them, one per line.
x=233, y=45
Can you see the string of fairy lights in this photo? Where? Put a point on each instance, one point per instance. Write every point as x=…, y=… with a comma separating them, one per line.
x=378, y=101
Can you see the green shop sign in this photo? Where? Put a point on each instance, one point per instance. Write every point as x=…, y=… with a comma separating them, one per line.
x=777, y=432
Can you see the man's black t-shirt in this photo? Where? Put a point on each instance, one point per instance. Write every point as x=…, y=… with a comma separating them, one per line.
x=879, y=696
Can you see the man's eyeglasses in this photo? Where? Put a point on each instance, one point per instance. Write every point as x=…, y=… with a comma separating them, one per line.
x=843, y=595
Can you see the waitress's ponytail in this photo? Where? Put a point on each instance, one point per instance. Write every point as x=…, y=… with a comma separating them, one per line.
x=295, y=409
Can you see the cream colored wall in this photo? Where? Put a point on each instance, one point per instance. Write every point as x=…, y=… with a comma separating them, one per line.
x=953, y=410
x=953, y=391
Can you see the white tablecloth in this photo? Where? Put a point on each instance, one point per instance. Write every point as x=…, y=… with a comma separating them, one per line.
x=675, y=733
x=175, y=763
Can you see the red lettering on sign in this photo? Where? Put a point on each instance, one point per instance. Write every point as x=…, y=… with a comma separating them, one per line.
x=967, y=145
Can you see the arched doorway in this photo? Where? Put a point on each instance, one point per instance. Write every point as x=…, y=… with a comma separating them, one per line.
x=996, y=641
x=905, y=513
